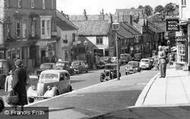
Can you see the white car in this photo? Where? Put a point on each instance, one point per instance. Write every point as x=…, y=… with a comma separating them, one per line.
x=145, y=63
x=50, y=83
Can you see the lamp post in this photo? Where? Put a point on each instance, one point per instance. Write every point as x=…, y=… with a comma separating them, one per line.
x=86, y=45
x=115, y=28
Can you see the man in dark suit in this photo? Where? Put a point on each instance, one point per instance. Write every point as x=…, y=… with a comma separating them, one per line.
x=19, y=83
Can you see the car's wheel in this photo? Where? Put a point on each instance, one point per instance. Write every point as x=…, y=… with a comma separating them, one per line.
x=70, y=88
x=30, y=100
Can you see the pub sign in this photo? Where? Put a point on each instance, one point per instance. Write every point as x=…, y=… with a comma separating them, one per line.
x=172, y=24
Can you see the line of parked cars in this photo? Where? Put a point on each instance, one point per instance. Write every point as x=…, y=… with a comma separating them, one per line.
x=136, y=66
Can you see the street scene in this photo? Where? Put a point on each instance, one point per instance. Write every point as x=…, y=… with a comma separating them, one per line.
x=116, y=59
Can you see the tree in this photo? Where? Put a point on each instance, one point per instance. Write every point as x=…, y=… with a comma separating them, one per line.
x=148, y=10
x=140, y=7
x=169, y=8
x=159, y=9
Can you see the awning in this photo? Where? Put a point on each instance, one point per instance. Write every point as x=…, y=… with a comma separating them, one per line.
x=16, y=44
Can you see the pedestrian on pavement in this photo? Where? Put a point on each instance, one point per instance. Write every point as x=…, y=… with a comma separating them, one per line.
x=9, y=82
x=19, y=81
x=162, y=61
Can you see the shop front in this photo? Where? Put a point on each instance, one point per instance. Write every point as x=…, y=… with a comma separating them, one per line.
x=181, y=54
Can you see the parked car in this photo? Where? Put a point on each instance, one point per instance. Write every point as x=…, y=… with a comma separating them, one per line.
x=132, y=67
x=51, y=83
x=145, y=63
x=125, y=58
x=101, y=65
x=110, y=72
x=79, y=66
x=64, y=65
x=45, y=66
x=4, y=69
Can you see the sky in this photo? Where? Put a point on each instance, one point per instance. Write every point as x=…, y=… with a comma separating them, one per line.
x=76, y=7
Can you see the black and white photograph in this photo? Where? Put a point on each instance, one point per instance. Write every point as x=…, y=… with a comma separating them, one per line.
x=94, y=59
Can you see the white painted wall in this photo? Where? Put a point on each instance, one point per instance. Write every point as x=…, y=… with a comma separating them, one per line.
x=105, y=44
x=61, y=47
x=184, y=10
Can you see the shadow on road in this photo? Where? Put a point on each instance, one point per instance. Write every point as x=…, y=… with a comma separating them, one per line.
x=76, y=81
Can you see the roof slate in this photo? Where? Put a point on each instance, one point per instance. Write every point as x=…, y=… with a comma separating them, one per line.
x=64, y=23
x=93, y=27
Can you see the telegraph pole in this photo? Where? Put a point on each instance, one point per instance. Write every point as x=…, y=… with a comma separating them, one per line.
x=115, y=28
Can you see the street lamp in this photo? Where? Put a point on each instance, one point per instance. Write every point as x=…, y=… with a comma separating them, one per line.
x=115, y=28
x=86, y=54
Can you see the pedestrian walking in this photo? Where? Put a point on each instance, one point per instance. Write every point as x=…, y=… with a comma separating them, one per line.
x=9, y=82
x=19, y=81
x=162, y=61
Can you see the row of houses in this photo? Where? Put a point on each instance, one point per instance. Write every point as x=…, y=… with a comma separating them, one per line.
x=96, y=37
x=36, y=32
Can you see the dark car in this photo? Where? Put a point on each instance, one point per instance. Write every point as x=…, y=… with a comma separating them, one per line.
x=4, y=69
x=132, y=67
x=45, y=66
x=79, y=66
x=110, y=72
x=65, y=65
x=125, y=58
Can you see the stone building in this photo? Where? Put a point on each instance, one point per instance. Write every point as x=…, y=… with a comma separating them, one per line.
x=29, y=30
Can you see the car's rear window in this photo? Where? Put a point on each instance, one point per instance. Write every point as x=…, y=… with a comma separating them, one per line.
x=48, y=77
x=46, y=66
x=145, y=60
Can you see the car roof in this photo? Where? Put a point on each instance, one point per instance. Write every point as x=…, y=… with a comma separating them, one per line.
x=54, y=71
x=145, y=59
x=111, y=64
x=3, y=60
x=133, y=62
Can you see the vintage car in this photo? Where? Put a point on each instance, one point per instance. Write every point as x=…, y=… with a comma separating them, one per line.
x=110, y=72
x=50, y=83
x=64, y=65
x=132, y=67
x=4, y=69
x=45, y=66
x=145, y=63
x=79, y=66
x=125, y=58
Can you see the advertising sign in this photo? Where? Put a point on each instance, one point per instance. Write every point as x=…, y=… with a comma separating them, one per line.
x=172, y=24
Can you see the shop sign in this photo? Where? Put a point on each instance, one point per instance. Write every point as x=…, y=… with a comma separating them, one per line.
x=172, y=24
x=181, y=38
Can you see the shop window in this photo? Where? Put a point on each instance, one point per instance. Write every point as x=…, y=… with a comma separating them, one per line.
x=181, y=52
x=99, y=40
